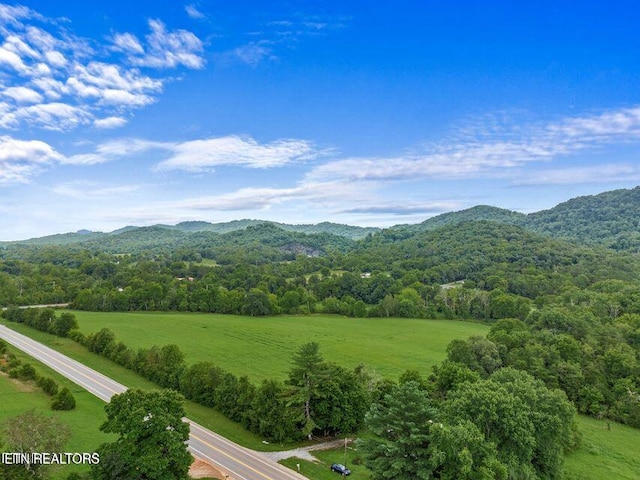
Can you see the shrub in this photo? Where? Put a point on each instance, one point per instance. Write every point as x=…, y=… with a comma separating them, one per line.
x=63, y=400
x=48, y=384
x=27, y=372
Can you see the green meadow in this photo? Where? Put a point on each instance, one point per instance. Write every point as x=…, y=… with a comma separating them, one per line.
x=84, y=421
x=261, y=347
x=607, y=452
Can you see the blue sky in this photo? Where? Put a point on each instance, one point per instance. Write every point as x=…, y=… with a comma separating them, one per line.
x=367, y=113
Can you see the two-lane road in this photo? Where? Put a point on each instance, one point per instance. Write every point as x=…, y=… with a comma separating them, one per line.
x=240, y=463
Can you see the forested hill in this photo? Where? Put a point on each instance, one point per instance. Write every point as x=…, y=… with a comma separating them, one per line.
x=480, y=212
x=611, y=219
x=485, y=252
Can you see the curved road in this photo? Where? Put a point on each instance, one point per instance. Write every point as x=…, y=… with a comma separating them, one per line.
x=238, y=462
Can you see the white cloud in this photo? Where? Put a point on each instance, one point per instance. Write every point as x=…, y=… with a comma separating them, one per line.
x=193, y=12
x=497, y=155
x=609, y=173
x=13, y=60
x=109, y=122
x=206, y=154
x=396, y=208
x=128, y=43
x=47, y=66
x=109, y=76
x=601, y=127
x=51, y=88
x=23, y=94
x=21, y=159
x=55, y=58
x=85, y=159
x=14, y=13
x=128, y=146
x=202, y=155
x=252, y=53
x=49, y=116
x=332, y=193
x=124, y=98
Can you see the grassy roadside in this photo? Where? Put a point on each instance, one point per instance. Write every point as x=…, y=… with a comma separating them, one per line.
x=205, y=416
x=17, y=397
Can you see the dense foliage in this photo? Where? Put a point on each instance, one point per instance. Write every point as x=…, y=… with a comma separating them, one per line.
x=151, y=438
x=501, y=271
x=610, y=219
x=509, y=426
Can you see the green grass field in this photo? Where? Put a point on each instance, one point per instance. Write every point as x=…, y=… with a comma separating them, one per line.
x=17, y=397
x=604, y=454
x=261, y=347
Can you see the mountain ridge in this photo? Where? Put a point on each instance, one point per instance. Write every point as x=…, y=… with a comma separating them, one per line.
x=610, y=219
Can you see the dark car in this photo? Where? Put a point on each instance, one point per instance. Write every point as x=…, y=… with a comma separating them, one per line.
x=339, y=468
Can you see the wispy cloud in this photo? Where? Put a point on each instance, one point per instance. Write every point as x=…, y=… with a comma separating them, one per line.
x=57, y=81
x=23, y=95
x=495, y=156
x=273, y=36
x=403, y=209
x=603, y=127
x=202, y=155
x=253, y=53
x=162, y=49
x=608, y=173
x=247, y=200
x=12, y=14
x=109, y=122
x=263, y=198
x=190, y=156
x=93, y=190
x=193, y=12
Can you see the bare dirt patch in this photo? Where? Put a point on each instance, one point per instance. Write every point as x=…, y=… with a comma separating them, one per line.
x=20, y=386
x=200, y=469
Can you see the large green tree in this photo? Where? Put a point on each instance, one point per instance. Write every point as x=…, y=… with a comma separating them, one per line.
x=411, y=442
x=531, y=425
x=152, y=436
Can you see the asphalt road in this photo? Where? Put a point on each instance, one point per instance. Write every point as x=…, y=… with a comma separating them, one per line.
x=238, y=462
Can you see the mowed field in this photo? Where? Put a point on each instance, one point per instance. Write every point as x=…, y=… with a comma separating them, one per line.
x=261, y=347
